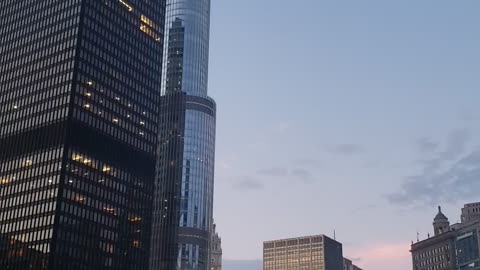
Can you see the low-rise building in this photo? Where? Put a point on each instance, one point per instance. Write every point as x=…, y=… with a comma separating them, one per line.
x=347, y=264
x=453, y=247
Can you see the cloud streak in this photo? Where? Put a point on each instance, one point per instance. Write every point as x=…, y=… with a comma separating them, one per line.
x=346, y=149
x=307, y=162
x=296, y=173
x=273, y=171
x=249, y=184
x=446, y=177
x=302, y=174
x=364, y=208
x=426, y=145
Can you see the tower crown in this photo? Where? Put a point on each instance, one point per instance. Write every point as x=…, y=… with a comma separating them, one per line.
x=440, y=217
x=440, y=223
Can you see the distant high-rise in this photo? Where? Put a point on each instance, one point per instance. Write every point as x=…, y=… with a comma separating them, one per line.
x=471, y=211
x=183, y=215
x=79, y=102
x=310, y=252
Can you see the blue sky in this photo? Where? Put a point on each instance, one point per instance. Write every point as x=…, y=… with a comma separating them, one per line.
x=354, y=116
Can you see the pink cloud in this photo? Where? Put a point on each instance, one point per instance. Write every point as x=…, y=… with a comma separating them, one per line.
x=382, y=256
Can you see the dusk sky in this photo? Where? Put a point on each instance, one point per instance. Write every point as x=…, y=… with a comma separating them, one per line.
x=355, y=116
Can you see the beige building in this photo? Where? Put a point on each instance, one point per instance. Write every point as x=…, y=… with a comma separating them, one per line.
x=471, y=211
x=436, y=252
x=311, y=252
x=451, y=247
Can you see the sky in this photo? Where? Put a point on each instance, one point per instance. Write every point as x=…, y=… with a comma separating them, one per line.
x=354, y=116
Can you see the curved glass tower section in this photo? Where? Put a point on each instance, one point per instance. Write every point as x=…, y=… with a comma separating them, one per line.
x=183, y=207
x=187, y=32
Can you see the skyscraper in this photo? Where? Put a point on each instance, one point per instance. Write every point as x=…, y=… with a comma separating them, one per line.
x=78, y=132
x=184, y=186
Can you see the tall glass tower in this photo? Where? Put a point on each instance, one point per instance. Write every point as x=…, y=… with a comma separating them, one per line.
x=185, y=172
x=79, y=96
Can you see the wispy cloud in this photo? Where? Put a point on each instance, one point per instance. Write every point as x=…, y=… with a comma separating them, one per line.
x=456, y=144
x=273, y=171
x=302, y=174
x=426, y=145
x=248, y=184
x=346, y=149
x=449, y=175
x=363, y=208
x=283, y=127
x=460, y=180
x=304, y=161
x=296, y=173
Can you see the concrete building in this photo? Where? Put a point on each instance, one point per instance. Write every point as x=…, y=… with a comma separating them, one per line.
x=347, y=264
x=471, y=211
x=453, y=247
x=216, y=242
x=435, y=253
x=311, y=252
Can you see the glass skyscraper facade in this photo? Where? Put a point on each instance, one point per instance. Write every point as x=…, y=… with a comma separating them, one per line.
x=183, y=214
x=79, y=119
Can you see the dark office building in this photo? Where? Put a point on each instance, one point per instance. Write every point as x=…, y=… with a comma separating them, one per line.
x=79, y=94
x=183, y=208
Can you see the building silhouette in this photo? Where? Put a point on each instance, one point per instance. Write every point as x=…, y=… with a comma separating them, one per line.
x=79, y=119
